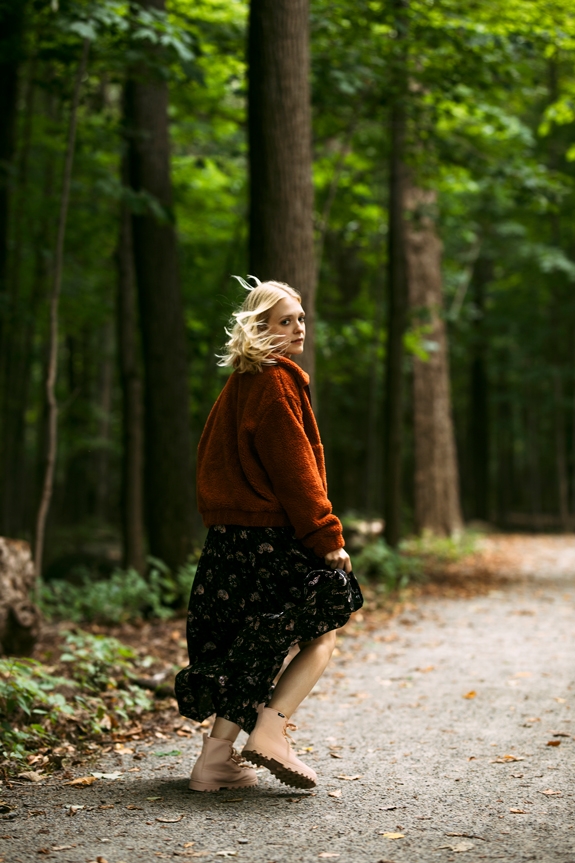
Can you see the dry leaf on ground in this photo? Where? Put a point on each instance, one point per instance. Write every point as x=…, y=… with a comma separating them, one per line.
x=132, y=806
x=336, y=793
x=392, y=835
x=506, y=759
x=82, y=780
x=170, y=820
x=471, y=694
x=550, y=793
x=62, y=847
x=350, y=778
x=31, y=776
x=459, y=848
x=518, y=811
x=553, y=743
x=327, y=854
x=335, y=755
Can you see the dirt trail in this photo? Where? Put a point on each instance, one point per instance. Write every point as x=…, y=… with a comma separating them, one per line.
x=447, y=734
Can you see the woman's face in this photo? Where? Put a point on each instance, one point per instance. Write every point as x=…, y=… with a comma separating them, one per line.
x=287, y=320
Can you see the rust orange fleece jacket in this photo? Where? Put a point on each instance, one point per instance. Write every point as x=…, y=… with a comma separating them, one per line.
x=260, y=458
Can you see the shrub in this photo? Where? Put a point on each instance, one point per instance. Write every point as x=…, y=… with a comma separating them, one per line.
x=124, y=596
x=38, y=707
x=379, y=562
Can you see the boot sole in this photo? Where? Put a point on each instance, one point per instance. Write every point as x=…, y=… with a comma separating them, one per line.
x=196, y=785
x=279, y=770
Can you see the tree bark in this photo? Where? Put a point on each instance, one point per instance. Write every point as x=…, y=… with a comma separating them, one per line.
x=281, y=244
x=436, y=480
x=396, y=290
x=132, y=494
x=561, y=452
x=12, y=16
x=478, y=434
x=19, y=617
x=168, y=474
x=52, y=370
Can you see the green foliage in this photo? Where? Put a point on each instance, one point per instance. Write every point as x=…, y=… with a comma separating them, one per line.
x=394, y=570
x=442, y=549
x=124, y=596
x=38, y=707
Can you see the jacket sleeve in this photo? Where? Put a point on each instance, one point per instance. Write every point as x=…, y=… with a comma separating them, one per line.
x=289, y=461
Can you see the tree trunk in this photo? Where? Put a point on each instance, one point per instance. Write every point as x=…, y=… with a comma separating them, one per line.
x=19, y=617
x=52, y=370
x=561, y=452
x=436, y=487
x=396, y=289
x=478, y=394
x=281, y=244
x=104, y=430
x=132, y=495
x=168, y=475
x=12, y=14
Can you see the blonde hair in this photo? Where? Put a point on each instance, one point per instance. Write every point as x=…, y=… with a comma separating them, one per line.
x=249, y=347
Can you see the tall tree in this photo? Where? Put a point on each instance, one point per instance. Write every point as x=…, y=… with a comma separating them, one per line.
x=396, y=281
x=436, y=480
x=132, y=494
x=281, y=244
x=478, y=431
x=168, y=468
x=52, y=366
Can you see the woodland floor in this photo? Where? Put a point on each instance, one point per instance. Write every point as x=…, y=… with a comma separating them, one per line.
x=444, y=726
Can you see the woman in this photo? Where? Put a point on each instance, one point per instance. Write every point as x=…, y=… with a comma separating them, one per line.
x=262, y=493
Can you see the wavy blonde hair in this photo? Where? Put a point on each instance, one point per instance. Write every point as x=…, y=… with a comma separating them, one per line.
x=249, y=346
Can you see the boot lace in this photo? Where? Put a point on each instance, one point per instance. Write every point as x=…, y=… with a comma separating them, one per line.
x=238, y=758
x=292, y=727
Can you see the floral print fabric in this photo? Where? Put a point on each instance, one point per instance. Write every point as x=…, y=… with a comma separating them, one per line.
x=245, y=574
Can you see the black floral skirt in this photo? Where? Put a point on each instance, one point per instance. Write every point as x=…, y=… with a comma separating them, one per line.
x=244, y=573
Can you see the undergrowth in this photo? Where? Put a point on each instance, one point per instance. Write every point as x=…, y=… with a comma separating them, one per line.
x=91, y=695
x=416, y=558
x=124, y=596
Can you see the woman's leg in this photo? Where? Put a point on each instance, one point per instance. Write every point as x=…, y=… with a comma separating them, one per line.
x=225, y=730
x=302, y=674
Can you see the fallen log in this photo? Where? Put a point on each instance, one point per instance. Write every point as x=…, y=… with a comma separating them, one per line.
x=19, y=616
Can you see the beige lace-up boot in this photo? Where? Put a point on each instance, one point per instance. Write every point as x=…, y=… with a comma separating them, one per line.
x=220, y=766
x=268, y=746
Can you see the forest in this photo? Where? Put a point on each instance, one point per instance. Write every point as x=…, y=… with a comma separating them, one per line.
x=408, y=165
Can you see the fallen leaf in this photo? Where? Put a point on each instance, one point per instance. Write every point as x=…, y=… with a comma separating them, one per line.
x=335, y=755
x=62, y=847
x=518, y=811
x=350, y=778
x=154, y=798
x=553, y=743
x=31, y=776
x=106, y=806
x=226, y=853
x=170, y=820
x=73, y=809
x=82, y=780
x=188, y=844
x=336, y=793
x=132, y=806
x=327, y=854
x=471, y=694
x=460, y=847
x=115, y=775
x=427, y=669
x=165, y=754
x=560, y=734
x=467, y=836
x=561, y=700
x=43, y=851
x=550, y=793
x=506, y=759
x=392, y=835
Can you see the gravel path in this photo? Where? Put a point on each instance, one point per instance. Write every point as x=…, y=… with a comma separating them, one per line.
x=449, y=731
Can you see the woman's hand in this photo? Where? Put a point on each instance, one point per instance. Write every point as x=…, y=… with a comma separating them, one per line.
x=339, y=559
